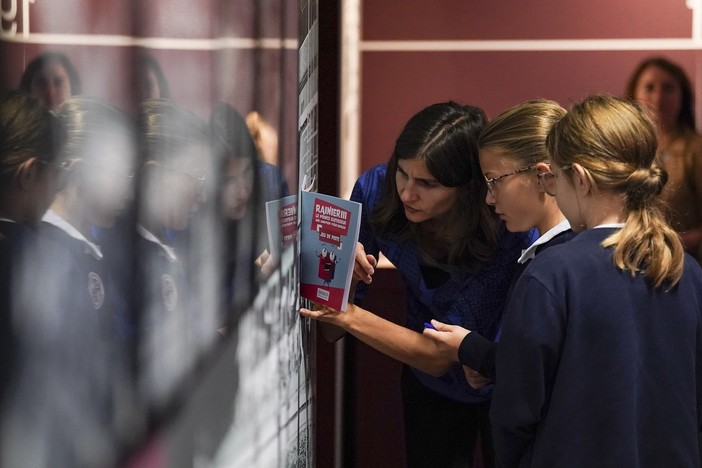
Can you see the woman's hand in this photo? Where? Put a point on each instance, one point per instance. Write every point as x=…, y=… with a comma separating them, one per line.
x=331, y=326
x=475, y=380
x=322, y=313
x=364, y=266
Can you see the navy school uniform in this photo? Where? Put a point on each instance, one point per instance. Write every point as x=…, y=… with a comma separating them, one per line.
x=59, y=407
x=478, y=352
x=165, y=344
x=597, y=368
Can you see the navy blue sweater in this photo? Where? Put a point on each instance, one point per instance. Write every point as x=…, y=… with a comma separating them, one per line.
x=597, y=368
x=476, y=351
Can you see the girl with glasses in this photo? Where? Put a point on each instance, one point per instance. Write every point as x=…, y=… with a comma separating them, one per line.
x=521, y=189
x=175, y=321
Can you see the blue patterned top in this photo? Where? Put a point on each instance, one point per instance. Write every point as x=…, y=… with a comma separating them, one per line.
x=471, y=299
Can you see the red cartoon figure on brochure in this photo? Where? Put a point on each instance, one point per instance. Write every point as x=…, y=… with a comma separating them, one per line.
x=327, y=265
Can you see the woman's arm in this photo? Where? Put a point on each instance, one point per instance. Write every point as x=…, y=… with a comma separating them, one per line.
x=396, y=341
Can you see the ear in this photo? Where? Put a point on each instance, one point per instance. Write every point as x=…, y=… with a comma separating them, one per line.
x=545, y=178
x=28, y=173
x=581, y=179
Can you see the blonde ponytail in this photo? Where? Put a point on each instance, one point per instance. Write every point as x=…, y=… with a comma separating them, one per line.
x=615, y=142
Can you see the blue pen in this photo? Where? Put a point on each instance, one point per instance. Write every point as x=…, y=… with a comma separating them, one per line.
x=429, y=325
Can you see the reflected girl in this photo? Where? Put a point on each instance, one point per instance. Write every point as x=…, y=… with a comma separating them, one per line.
x=175, y=148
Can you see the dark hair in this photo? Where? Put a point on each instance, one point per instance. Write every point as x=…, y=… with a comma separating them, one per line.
x=243, y=242
x=230, y=134
x=42, y=61
x=686, y=118
x=27, y=129
x=148, y=62
x=444, y=136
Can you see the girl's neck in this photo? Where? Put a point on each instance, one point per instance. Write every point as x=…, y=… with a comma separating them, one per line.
x=606, y=208
x=551, y=219
x=65, y=207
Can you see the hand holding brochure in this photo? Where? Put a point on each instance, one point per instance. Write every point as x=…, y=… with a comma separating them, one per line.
x=281, y=220
x=329, y=228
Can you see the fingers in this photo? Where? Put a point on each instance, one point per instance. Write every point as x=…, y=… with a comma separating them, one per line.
x=474, y=378
x=319, y=311
x=364, y=266
x=311, y=313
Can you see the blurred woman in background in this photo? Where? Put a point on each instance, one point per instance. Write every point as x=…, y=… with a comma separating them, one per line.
x=665, y=89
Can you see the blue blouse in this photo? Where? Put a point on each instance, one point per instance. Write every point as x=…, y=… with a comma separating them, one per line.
x=471, y=299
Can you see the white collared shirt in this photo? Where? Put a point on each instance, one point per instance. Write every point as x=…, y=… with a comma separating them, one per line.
x=52, y=217
x=170, y=252
x=530, y=252
x=609, y=225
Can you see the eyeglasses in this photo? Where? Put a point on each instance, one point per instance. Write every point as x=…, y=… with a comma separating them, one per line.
x=199, y=181
x=492, y=183
x=548, y=182
x=61, y=166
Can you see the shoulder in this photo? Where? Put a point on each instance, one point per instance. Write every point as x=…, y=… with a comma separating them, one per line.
x=688, y=144
x=370, y=184
x=692, y=273
x=273, y=183
x=571, y=251
x=374, y=176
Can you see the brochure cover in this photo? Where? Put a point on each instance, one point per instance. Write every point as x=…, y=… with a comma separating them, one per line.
x=281, y=221
x=329, y=229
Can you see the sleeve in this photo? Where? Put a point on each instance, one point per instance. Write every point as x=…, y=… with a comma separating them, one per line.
x=526, y=362
x=273, y=184
x=478, y=353
x=365, y=192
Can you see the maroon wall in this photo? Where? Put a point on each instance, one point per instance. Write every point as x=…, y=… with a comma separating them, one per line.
x=247, y=78
x=395, y=84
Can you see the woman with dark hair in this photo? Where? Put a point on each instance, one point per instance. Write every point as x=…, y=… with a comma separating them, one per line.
x=52, y=78
x=247, y=183
x=665, y=89
x=425, y=211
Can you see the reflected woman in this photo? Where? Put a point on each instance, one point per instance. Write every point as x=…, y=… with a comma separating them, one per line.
x=246, y=184
x=52, y=78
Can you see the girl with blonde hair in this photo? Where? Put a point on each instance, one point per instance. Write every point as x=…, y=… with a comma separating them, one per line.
x=599, y=328
x=521, y=186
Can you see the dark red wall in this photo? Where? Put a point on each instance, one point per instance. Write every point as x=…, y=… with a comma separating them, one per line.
x=395, y=84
